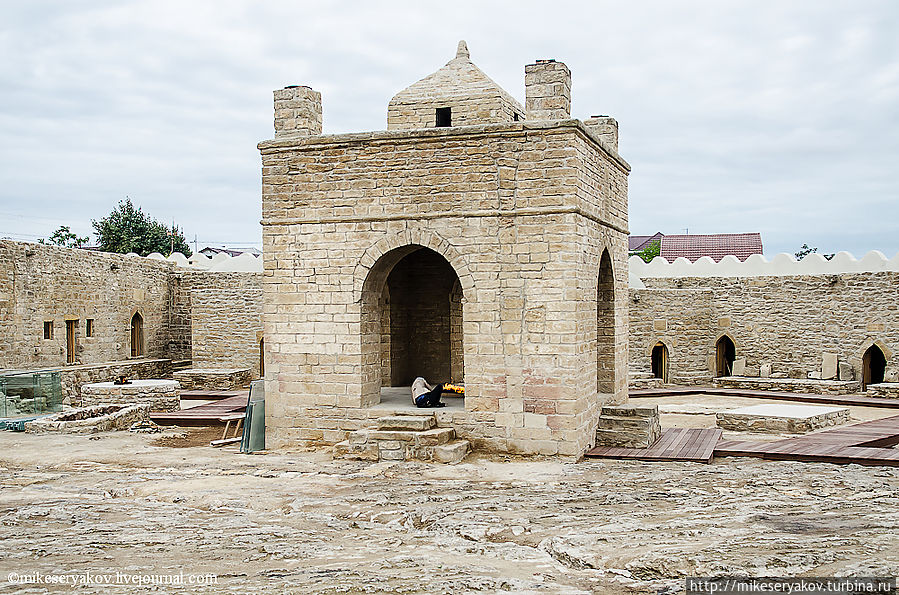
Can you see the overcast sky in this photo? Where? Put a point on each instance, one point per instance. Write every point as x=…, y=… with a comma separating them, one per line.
x=771, y=116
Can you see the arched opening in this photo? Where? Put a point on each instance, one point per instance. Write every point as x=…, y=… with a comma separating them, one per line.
x=725, y=353
x=262, y=358
x=660, y=361
x=411, y=324
x=605, y=326
x=137, y=335
x=874, y=365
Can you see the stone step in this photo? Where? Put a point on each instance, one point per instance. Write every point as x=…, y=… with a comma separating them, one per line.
x=436, y=436
x=349, y=450
x=630, y=411
x=415, y=423
x=452, y=452
x=639, y=375
x=618, y=438
x=629, y=423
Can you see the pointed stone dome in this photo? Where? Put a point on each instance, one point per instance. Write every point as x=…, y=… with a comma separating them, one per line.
x=471, y=97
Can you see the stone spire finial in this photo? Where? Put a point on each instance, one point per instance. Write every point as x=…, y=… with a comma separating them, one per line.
x=462, y=50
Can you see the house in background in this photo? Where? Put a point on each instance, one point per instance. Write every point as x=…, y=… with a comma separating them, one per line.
x=211, y=251
x=695, y=246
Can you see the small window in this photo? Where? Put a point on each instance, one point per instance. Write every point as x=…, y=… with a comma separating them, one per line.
x=444, y=116
x=89, y=327
x=515, y=117
x=48, y=329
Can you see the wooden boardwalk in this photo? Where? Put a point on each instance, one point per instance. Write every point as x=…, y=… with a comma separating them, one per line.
x=675, y=444
x=853, y=400
x=211, y=395
x=866, y=443
x=203, y=415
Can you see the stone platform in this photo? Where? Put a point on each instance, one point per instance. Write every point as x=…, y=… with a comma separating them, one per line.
x=885, y=390
x=792, y=385
x=160, y=395
x=403, y=438
x=643, y=380
x=793, y=419
x=214, y=379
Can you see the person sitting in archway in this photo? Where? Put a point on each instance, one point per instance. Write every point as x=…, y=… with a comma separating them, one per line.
x=425, y=395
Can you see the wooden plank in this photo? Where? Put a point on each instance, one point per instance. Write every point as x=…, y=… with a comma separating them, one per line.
x=669, y=435
x=676, y=445
x=705, y=445
x=708, y=452
x=225, y=441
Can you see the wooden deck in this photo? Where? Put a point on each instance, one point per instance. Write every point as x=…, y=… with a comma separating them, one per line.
x=866, y=443
x=854, y=400
x=203, y=415
x=675, y=444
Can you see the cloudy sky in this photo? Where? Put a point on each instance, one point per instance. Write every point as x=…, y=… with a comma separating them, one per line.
x=771, y=116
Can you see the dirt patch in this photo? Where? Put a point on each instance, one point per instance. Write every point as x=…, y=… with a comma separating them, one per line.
x=187, y=437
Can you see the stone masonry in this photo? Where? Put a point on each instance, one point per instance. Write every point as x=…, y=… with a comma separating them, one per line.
x=49, y=291
x=528, y=217
x=782, y=326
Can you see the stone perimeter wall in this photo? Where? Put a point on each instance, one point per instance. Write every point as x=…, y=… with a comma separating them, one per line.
x=41, y=283
x=521, y=213
x=52, y=284
x=786, y=321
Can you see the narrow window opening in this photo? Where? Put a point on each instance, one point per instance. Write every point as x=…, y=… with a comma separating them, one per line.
x=48, y=329
x=89, y=327
x=444, y=116
x=262, y=358
x=515, y=117
x=660, y=361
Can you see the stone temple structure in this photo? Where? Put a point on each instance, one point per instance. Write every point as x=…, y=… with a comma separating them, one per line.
x=475, y=240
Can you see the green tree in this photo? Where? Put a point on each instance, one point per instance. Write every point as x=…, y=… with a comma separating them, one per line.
x=65, y=237
x=128, y=229
x=804, y=251
x=650, y=251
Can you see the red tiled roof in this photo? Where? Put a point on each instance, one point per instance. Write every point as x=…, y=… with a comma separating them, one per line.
x=640, y=242
x=717, y=246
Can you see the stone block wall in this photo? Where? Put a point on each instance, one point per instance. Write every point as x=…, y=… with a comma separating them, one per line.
x=788, y=322
x=41, y=284
x=226, y=319
x=522, y=213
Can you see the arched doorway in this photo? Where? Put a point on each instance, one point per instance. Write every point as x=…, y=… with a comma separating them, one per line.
x=411, y=321
x=137, y=335
x=262, y=358
x=874, y=365
x=725, y=353
x=659, y=359
x=605, y=326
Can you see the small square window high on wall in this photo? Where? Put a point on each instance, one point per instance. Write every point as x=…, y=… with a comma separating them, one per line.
x=48, y=329
x=444, y=116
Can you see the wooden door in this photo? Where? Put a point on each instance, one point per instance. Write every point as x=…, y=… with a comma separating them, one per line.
x=71, y=326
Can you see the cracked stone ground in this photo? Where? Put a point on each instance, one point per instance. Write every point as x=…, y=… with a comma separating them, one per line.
x=299, y=522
